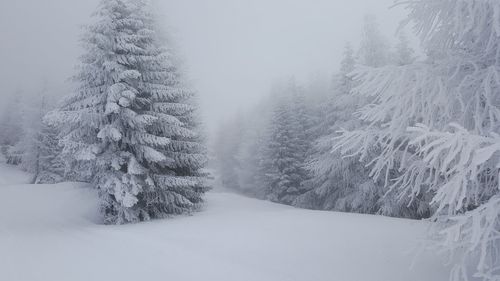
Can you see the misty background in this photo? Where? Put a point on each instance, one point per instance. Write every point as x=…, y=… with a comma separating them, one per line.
x=233, y=49
x=309, y=106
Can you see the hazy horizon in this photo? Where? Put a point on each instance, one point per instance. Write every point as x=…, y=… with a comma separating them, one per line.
x=233, y=50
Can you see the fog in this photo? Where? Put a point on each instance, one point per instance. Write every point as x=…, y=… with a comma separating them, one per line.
x=318, y=117
x=233, y=49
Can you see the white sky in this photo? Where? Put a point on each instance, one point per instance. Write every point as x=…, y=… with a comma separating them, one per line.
x=233, y=48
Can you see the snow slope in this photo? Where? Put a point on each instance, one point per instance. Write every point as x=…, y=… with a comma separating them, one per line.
x=51, y=232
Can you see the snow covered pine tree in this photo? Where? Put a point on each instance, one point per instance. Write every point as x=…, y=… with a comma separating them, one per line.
x=39, y=149
x=11, y=124
x=437, y=123
x=133, y=120
x=50, y=163
x=287, y=148
x=338, y=183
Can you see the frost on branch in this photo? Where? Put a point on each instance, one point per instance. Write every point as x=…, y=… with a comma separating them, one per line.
x=435, y=123
x=465, y=170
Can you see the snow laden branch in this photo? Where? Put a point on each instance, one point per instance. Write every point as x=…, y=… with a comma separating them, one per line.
x=472, y=26
x=465, y=173
x=431, y=127
x=476, y=232
x=464, y=165
x=458, y=166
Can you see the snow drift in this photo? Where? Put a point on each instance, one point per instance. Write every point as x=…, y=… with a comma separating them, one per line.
x=52, y=232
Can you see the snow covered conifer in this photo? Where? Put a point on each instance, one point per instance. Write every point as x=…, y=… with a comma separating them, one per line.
x=339, y=183
x=374, y=48
x=29, y=145
x=227, y=146
x=51, y=166
x=437, y=123
x=251, y=166
x=279, y=184
x=404, y=53
x=40, y=152
x=287, y=148
x=132, y=119
x=11, y=121
x=48, y=166
x=347, y=64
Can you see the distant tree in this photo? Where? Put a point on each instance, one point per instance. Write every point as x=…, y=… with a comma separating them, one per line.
x=227, y=146
x=51, y=167
x=404, y=53
x=287, y=148
x=28, y=146
x=374, y=47
x=11, y=120
x=15, y=127
x=37, y=150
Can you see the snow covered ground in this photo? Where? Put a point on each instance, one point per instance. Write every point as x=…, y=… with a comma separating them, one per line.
x=51, y=232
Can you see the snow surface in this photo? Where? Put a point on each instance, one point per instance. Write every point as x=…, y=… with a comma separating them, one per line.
x=52, y=232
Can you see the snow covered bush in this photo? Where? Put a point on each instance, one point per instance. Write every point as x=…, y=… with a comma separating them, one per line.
x=132, y=122
x=436, y=123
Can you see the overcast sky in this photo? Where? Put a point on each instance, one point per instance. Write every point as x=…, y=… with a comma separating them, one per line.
x=233, y=49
